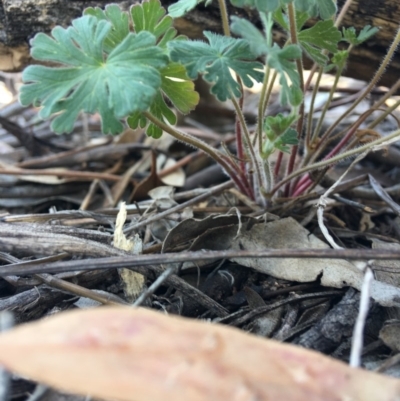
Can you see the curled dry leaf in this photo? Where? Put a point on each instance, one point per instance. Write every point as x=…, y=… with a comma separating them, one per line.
x=289, y=234
x=137, y=354
x=133, y=282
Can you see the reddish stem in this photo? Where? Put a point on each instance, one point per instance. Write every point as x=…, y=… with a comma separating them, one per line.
x=239, y=141
x=278, y=164
x=240, y=178
x=305, y=182
x=302, y=185
x=290, y=167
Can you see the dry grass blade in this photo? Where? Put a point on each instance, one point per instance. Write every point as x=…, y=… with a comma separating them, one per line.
x=136, y=354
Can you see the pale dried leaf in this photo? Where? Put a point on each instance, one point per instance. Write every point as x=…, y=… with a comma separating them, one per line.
x=390, y=334
x=176, y=178
x=120, y=240
x=140, y=355
x=163, y=196
x=288, y=234
x=133, y=283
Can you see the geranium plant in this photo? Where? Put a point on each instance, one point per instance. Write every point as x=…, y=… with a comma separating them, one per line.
x=133, y=68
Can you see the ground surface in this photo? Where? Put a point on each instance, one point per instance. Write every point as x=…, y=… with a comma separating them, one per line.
x=60, y=197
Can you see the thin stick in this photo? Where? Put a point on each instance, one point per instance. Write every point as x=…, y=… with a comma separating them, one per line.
x=212, y=191
x=151, y=290
x=357, y=339
x=145, y=264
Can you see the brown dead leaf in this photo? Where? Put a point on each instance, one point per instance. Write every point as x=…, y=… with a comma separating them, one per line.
x=138, y=354
x=191, y=228
x=151, y=181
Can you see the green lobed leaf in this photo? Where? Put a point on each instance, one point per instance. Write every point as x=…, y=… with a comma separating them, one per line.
x=179, y=90
x=119, y=21
x=301, y=19
x=275, y=126
x=289, y=137
x=114, y=84
x=282, y=19
x=322, y=36
x=215, y=60
x=136, y=120
x=251, y=33
x=282, y=60
x=326, y=9
x=350, y=35
x=366, y=33
x=160, y=110
x=339, y=59
x=295, y=95
x=267, y=6
x=243, y=3
x=264, y=6
x=314, y=54
x=279, y=133
x=182, y=7
x=150, y=16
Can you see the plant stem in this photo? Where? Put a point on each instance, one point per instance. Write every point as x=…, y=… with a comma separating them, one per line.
x=326, y=105
x=262, y=181
x=382, y=100
x=338, y=158
x=338, y=21
x=278, y=164
x=262, y=105
x=373, y=82
x=309, y=140
x=198, y=144
x=239, y=140
x=305, y=181
x=224, y=17
x=342, y=13
x=265, y=90
x=299, y=63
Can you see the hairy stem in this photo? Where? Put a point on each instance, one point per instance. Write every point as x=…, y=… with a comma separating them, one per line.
x=326, y=106
x=262, y=180
x=309, y=139
x=370, y=86
x=239, y=140
x=262, y=105
x=342, y=13
x=224, y=17
x=381, y=101
x=306, y=181
x=338, y=158
x=265, y=90
x=278, y=164
x=338, y=21
x=198, y=144
x=299, y=63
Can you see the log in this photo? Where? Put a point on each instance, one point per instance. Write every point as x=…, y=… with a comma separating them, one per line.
x=20, y=20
